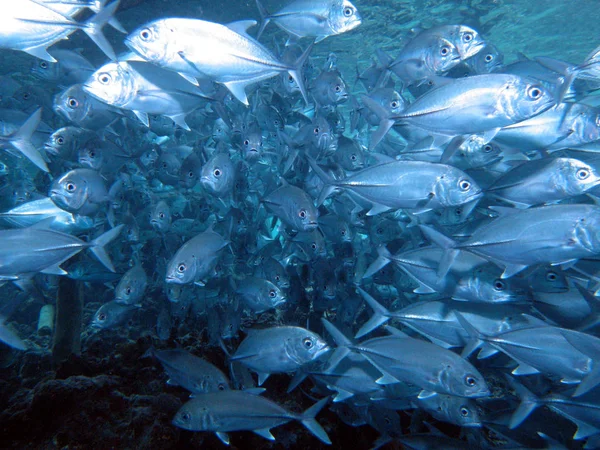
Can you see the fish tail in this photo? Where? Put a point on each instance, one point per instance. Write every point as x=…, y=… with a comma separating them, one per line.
x=380, y=315
x=448, y=245
x=386, y=121
x=264, y=17
x=329, y=187
x=296, y=72
x=342, y=342
x=308, y=420
x=529, y=401
x=383, y=259
x=93, y=28
x=476, y=338
x=21, y=140
x=97, y=246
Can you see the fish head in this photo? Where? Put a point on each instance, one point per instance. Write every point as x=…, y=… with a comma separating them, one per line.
x=45, y=70
x=490, y=287
x=194, y=417
x=73, y=104
x=289, y=83
x=70, y=192
x=60, y=141
x=441, y=56
x=252, y=146
x=343, y=16
x=91, y=156
x=151, y=41
x=578, y=176
x=522, y=98
x=468, y=42
x=113, y=84
x=465, y=414
x=181, y=270
x=160, y=219
x=487, y=60
x=456, y=188
x=216, y=174
x=462, y=379
x=305, y=347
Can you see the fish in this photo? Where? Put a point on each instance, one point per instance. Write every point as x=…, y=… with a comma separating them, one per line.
x=239, y=410
x=196, y=259
x=293, y=206
x=279, y=350
x=79, y=191
x=132, y=286
x=35, y=211
x=112, y=314
x=318, y=19
x=236, y=60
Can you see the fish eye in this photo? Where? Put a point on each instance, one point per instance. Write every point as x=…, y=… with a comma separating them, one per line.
x=102, y=317
x=464, y=185
x=190, y=174
x=343, y=232
x=92, y=154
x=464, y=411
x=60, y=140
x=353, y=157
x=302, y=214
x=217, y=173
x=445, y=50
x=246, y=142
x=499, y=285
x=316, y=130
x=534, y=92
x=44, y=65
x=221, y=387
x=394, y=104
x=161, y=215
x=551, y=276
x=164, y=164
x=272, y=293
x=128, y=291
x=70, y=186
x=470, y=380
x=72, y=102
x=348, y=12
x=582, y=174
x=186, y=417
x=489, y=58
x=181, y=268
x=313, y=246
x=338, y=88
x=104, y=78
x=26, y=96
x=468, y=37
x=487, y=148
x=277, y=277
x=458, y=211
x=145, y=34
x=307, y=342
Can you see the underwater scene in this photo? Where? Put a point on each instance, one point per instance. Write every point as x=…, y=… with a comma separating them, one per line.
x=299, y=224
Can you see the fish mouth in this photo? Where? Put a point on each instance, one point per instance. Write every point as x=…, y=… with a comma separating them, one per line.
x=473, y=50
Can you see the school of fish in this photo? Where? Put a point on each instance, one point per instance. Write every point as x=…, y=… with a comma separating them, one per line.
x=425, y=241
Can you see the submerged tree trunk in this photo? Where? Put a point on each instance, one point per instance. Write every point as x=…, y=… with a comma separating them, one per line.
x=69, y=311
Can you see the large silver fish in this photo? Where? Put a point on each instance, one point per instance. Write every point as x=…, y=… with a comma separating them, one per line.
x=222, y=53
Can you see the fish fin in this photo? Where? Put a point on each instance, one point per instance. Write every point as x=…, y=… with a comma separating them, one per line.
x=224, y=437
x=241, y=26
x=54, y=270
x=93, y=28
x=262, y=377
x=40, y=52
x=44, y=224
x=584, y=430
x=307, y=418
x=297, y=379
x=296, y=72
x=189, y=78
x=528, y=403
x=450, y=253
x=97, y=246
x=383, y=259
x=266, y=433
x=264, y=17
x=426, y=394
x=376, y=209
x=142, y=117
x=476, y=337
x=385, y=124
x=329, y=183
x=486, y=352
x=396, y=332
x=21, y=140
x=452, y=148
x=255, y=391
x=342, y=341
x=380, y=315
x=423, y=289
x=589, y=382
x=341, y=394
x=525, y=369
x=179, y=119
x=386, y=378
x=238, y=89
x=512, y=269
